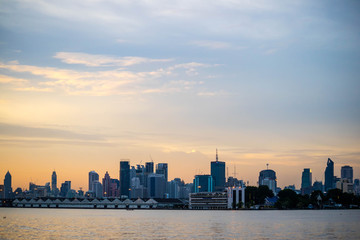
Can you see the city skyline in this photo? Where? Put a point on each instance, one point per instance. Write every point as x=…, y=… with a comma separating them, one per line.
x=94, y=176
x=86, y=84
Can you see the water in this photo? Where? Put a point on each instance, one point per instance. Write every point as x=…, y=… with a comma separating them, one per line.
x=177, y=224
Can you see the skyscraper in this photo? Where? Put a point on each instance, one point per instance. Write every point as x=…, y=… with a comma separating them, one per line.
x=347, y=173
x=156, y=185
x=268, y=177
x=93, y=176
x=149, y=167
x=53, y=181
x=218, y=174
x=7, y=186
x=65, y=188
x=124, y=178
x=162, y=168
x=306, y=181
x=106, y=185
x=329, y=175
x=203, y=183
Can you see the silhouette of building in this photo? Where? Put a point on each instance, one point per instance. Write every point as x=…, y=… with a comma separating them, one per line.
x=149, y=167
x=345, y=185
x=218, y=174
x=106, y=185
x=306, y=181
x=268, y=177
x=124, y=178
x=156, y=185
x=97, y=189
x=203, y=183
x=7, y=186
x=329, y=175
x=65, y=188
x=93, y=176
x=162, y=168
x=347, y=173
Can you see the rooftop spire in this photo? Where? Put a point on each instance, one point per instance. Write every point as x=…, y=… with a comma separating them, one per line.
x=217, y=158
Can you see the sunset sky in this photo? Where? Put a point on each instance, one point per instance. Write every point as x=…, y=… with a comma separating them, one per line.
x=84, y=84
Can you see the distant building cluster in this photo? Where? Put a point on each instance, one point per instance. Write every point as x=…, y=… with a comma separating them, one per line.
x=149, y=181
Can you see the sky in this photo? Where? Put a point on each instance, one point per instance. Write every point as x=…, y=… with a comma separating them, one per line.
x=84, y=84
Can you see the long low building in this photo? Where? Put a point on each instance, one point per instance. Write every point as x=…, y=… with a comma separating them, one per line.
x=97, y=203
x=232, y=198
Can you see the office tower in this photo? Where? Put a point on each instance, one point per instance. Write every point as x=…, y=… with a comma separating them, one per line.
x=124, y=178
x=306, y=181
x=7, y=186
x=53, y=181
x=218, y=174
x=329, y=175
x=65, y=188
x=347, y=173
x=106, y=184
x=149, y=167
x=268, y=177
x=156, y=185
x=162, y=168
x=93, y=176
x=203, y=183
x=97, y=189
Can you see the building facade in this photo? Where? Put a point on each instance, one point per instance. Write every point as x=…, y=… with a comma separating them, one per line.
x=124, y=178
x=306, y=181
x=268, y=177
x=93, y=176
x=347, y=173
x=218, y=174
x=203, y=183
x=7, y=186
x=329, y=175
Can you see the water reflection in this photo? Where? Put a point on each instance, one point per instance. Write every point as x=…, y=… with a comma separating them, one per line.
x=163, y=224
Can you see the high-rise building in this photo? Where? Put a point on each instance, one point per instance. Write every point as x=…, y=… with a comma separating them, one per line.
x=149, y=167
x=93, y=176
x=203, y=183
x=162, y=168
x=347, y=173
x=218, y=174
x=53, y=182
x=65, y=188
x=124, y=178
x=268, y=177
x=97, y=189
x=156, y=185
x=7, y=186
x=329, y=175
x=306, y=181
x=106, y=185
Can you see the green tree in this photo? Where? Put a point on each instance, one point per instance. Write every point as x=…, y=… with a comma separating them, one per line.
x=288, y=199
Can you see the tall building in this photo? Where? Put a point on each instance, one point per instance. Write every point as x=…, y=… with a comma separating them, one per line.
x=53, y=182
x=106, y=185
x=162, y=168
x=156, y=185
x=65, y=188
x=7, y=186
x=218, y=174
x=124, y=178
x=329, y=175
x=203, y=183
x=149, y=167
x=347, y=173
x=268, y=177
x=93, y=176
x=318, y=186
x=306, y=181
x=97, y=189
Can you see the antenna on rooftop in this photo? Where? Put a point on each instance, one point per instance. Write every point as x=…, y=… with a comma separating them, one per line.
x=267, y=166
x=217, y=158
x=151, y=158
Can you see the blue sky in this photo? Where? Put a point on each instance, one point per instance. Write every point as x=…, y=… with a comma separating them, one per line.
x=264, y=81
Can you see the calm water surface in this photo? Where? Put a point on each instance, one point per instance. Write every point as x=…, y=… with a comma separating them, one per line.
x=176, y=224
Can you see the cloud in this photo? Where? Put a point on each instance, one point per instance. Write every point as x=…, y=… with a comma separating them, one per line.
x=12, y=130
x=115, y=81
x=12, y=80
x=93, y=60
